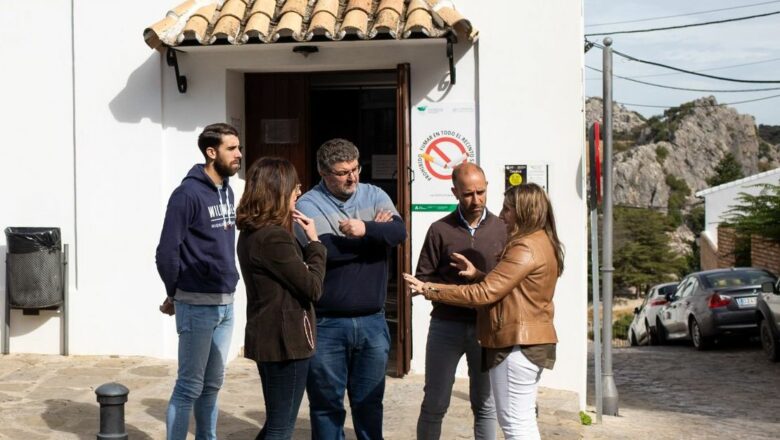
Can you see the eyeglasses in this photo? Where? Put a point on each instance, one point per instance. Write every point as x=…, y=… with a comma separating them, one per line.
x=345, y=173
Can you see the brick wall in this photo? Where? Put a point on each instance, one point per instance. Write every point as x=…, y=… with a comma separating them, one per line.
x=765, y=253
x=727, y=242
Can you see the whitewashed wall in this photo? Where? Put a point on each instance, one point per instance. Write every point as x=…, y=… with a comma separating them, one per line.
x=531, y=111
x=719, y=199
x=37, y=124
x=135, y=140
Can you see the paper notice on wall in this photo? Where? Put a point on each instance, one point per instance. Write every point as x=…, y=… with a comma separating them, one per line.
x=523, y=174
x=443, y=137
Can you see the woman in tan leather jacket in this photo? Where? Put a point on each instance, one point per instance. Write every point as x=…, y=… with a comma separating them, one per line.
x=514, y=305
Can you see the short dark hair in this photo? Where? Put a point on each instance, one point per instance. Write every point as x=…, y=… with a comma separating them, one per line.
x=335, y=151
x=211, y=137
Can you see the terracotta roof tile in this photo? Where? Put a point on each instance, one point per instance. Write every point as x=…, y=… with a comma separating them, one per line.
x=198, y=24
x=229, y=22
x=258, y=24
x=418, y=19
x=206, y=22
x=388, y=18
x=323, y=19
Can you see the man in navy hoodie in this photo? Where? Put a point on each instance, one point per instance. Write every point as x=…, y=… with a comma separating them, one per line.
x=196, y=261
x=359, y=225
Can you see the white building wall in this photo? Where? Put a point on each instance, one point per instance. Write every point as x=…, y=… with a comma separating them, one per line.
x=135, y=140
x=720, y=199
x=38, y=153
x=531, y=111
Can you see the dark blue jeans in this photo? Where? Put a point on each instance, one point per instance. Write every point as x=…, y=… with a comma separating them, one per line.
x=283, y=386
x=351, y=356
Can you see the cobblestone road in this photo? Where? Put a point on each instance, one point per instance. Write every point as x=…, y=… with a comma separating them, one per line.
x=676, y=392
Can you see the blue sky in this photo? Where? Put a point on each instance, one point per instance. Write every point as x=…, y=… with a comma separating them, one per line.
x=697, y=48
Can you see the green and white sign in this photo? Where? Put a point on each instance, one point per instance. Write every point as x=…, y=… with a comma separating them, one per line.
x=443, y=138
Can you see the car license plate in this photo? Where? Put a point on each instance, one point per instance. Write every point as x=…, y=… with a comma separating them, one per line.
x=746, y=302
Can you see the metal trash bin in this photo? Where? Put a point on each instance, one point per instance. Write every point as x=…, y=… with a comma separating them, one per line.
x=35, y=278
x=36, y=275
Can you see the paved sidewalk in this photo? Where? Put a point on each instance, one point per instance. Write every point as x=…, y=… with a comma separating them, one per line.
x=52, y=397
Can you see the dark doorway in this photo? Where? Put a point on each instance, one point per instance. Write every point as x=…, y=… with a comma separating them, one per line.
x=291, y=115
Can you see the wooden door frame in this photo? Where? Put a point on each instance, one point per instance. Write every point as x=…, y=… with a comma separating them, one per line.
x=403, y=336
x=404, y=139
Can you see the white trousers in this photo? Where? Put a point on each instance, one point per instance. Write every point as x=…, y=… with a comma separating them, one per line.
x=515, y=382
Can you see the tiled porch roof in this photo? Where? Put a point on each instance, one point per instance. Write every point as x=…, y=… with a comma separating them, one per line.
x=208, y=22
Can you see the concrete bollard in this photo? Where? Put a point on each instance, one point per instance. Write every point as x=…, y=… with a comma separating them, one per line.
x=112, y=398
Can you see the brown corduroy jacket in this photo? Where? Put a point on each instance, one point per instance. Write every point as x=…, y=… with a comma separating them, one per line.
x=514, y=300
x=282, y=281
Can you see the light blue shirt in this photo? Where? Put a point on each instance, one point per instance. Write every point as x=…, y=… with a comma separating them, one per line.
x=466, y=223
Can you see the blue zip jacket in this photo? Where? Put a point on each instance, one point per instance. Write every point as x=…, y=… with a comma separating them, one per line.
x=356, y=275
x=197, y=244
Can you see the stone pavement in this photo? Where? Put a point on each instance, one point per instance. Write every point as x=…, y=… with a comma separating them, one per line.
x=676, y=392
x=52, y=397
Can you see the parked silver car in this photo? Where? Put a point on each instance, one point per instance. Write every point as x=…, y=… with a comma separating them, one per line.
x=642, y=330
x=713, y=303
x=768, y=313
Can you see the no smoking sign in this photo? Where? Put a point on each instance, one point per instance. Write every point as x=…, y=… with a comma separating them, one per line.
x=443, y=151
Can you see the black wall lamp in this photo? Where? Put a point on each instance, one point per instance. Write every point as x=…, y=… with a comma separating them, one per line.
x=306, y=50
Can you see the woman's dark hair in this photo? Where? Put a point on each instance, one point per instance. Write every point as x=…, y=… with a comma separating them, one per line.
x=270, y=183
x=533, y=212
x=211, y=137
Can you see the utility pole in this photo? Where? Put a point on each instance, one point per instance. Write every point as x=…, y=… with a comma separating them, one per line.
x=610, y=396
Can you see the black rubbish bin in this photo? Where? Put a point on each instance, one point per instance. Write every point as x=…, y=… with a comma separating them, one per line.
x=34, y=268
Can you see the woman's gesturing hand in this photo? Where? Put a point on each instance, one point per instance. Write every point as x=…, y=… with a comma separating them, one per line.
x=416, y=285
x=307, y=224
x=465, y=267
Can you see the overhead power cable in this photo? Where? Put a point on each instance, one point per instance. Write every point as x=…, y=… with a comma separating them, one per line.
x=713, y=105
x=682, y=15
x=706, y=23
x=771, y=60
x=690, y=72
x=664, y=86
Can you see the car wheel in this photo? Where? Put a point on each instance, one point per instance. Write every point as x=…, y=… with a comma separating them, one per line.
x=632, y=339
x=652, y=334
x=699, y=341
x=769, y=341
x=660, y=331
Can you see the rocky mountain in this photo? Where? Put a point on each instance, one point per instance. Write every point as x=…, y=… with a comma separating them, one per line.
x=673, y=155
x=687, y=143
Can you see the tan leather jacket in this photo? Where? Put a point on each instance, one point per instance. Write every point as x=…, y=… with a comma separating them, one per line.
x=515, y=300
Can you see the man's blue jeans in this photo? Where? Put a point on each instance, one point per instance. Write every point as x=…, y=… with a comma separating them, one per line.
x=351, y=355
x=204, y=339
x=448, y=341
x=283, y=386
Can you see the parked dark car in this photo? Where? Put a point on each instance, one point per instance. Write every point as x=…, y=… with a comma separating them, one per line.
x=713, y=303
x=642, y=330
x=768, y=313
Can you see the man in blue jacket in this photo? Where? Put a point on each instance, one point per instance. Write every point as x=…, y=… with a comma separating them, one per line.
x=359, y=225
x=196, y=261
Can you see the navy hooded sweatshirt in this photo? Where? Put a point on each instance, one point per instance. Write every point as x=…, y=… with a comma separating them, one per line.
x=197, y=244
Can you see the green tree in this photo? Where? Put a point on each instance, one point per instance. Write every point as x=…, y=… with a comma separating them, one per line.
x=678, y=193
x=727, y=170
x=757, y=214
x=642, y=255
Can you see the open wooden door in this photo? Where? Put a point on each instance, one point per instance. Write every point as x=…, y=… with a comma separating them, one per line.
x=277, y=120
x=403, y=108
